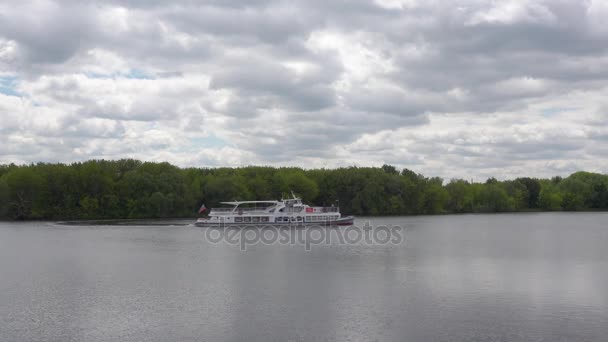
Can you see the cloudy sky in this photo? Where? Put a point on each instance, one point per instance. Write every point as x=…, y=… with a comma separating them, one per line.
x=474, y=89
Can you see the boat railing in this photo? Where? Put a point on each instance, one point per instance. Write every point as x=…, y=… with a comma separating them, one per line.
x=221, y=210
x=237, y=211
x=260, y=210
x=325, y=209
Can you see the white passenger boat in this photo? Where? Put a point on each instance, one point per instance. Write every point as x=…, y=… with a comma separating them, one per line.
x=284, y=212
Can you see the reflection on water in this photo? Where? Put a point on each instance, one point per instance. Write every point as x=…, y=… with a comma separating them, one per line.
x=523, y=277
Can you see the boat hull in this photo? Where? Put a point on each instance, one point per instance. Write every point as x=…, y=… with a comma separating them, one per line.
x=343, y=221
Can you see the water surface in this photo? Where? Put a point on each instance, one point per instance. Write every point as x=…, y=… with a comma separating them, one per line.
x=512, y=277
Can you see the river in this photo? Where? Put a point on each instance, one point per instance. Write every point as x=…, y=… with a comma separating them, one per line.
x=497, y=277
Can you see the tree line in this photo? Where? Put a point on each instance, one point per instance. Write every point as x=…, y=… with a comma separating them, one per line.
x=128, y=188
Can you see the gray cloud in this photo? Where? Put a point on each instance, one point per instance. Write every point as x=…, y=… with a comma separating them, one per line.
x=477, y=88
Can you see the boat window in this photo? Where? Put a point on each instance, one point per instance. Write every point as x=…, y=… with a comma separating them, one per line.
x=238, y=219
x=264, y=218
x=247, y=219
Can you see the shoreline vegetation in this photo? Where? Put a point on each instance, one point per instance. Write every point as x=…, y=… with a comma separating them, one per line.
x=131, y=189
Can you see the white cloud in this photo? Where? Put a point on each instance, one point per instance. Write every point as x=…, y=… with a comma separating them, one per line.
x=513, y=11
x=522, y=86
x=598, y=12
x=500, y=88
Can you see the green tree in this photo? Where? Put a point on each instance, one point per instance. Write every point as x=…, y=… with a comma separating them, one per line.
x=4, y=198
x=533, y=190
x=493, y=198
x=435, y=197
x=391, y=170
x=460, y=196
x=25, y=192
x=89, y=207
x=299, y=183
x=550, y=198
x=519, y=195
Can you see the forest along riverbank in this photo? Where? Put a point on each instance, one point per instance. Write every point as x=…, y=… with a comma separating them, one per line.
x=127, y=188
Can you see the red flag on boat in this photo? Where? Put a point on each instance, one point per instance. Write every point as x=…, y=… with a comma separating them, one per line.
x=309, y=210
x=202, y=209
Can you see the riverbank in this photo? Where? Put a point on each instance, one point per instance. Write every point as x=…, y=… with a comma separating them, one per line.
x=154, y=221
